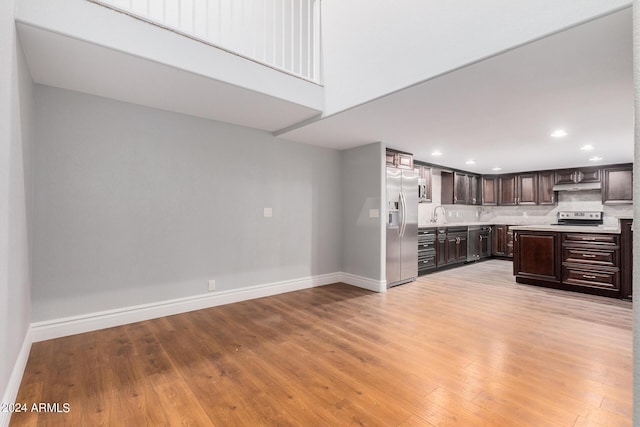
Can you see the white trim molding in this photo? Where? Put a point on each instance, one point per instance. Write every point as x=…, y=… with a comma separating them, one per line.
x=364, y=282
x=56, y=328
x=11, y=392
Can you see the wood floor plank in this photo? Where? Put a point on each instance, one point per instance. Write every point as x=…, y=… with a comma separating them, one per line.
x=466, y=346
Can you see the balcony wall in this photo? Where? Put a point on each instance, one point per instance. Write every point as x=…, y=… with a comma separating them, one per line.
x=86, y=47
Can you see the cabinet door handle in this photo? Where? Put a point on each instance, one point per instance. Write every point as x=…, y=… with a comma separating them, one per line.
x=515, y=237
x=587, y=276
x=481, y=238
x=588, y=256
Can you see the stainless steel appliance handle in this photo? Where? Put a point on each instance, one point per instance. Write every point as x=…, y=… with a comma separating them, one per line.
x=401, y=212
x=403, y=209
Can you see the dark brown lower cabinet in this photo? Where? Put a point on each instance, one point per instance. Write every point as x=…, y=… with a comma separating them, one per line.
x=451, y=246
x=536, y=256
x=426, y=250
x=591, y=263
x=626, y=259
x=582, y=262
x=502, y=241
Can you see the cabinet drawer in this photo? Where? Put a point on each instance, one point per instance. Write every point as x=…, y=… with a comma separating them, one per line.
x=426, y=245
x=602, y=239
x=426, y=232
x=590, y=256
x=585, y=277
x=427, y=263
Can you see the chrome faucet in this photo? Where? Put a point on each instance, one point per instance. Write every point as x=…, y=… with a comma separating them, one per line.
x=434, y=216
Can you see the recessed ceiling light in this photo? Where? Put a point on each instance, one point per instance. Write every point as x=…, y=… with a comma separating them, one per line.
x=595, y=159
x=559, y=133
x=496, y=168
x=587, y=147
x=470, y=162
x=436, y=153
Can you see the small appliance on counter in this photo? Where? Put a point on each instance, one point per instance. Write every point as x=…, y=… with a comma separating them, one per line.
x=573, y=218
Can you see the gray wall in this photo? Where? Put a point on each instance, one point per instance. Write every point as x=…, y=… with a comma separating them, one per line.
x=135, y=205
x=363, y=241
x=16, y=135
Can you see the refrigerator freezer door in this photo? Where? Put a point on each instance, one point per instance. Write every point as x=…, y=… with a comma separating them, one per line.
x=409, y=243
x=394, y=185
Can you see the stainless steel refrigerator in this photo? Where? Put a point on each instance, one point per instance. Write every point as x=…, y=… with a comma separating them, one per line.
x=402, y=226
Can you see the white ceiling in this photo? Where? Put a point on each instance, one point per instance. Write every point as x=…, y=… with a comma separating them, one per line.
x=501, y=111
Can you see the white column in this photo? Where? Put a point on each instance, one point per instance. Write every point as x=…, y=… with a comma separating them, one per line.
x=636, y=214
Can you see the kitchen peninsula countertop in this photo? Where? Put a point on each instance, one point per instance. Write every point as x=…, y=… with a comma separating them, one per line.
x=611, y=229
x=569, y=228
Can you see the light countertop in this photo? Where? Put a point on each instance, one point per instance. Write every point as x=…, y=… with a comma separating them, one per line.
x=454, y=224
x=611, y=229
x=569, y=228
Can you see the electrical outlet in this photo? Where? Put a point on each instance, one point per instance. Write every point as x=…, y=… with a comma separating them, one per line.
x=268, y=212
x=212, y=285
x=374, y=213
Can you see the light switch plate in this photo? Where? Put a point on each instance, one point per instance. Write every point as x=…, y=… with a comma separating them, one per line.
x=268, y=212
x=374, y=213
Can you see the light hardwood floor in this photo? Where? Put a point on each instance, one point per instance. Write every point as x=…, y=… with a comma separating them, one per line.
x=464, y=347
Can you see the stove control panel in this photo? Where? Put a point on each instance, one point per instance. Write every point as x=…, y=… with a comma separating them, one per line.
x=581, y=215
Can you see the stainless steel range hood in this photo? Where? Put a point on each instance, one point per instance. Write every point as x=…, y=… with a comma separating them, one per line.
x=585, y=186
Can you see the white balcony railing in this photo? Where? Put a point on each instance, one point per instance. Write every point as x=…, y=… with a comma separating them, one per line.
x=283, y=34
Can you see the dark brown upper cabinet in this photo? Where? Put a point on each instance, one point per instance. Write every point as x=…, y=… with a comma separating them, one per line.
x=518, y=189
x=446, y=188
x=527, y=189
x=489, y=190
x=474, y=197
x=617, y=185
x=399, y=159
x=507, y=190
x=460, y=188
x=574, y=176
x=546, y=195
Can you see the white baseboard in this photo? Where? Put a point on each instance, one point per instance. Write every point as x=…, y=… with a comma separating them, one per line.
x=364, y=282
x=62, y=327
x=57, y=328
x=16, y=377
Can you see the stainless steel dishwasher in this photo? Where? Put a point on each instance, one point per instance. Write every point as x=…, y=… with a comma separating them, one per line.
x=479, y=242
